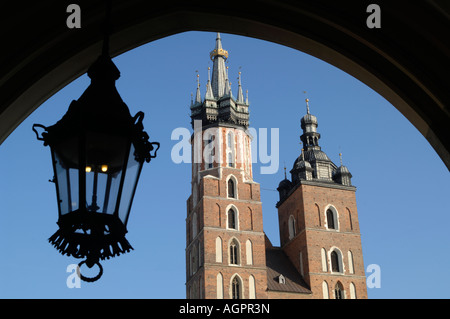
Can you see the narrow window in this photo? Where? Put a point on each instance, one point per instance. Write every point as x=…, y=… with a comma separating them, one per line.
x=230, y=159
x=323, y=254
x=218, y=250
x=352, y=291
x=335, y=267
x=233, y=253
x=231, y=190
x=231, y=219
x=318, y=215
x=230, y=140
x=339, y=291
x=219, y=285
x=249, y=252
x=350, y=262
x=251, y=287
x=235, y=288
x=291, y=226
x=330, y=219
x=350, y=219
x=325, y=290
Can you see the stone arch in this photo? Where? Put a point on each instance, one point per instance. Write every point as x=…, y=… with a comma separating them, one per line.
x=32, y=74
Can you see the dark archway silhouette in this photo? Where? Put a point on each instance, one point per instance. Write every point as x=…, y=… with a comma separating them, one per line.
x=404, y=60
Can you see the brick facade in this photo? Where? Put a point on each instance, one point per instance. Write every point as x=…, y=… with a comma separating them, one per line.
x=308, y=204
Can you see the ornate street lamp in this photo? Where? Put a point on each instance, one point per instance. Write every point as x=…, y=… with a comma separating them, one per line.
x=98, y=150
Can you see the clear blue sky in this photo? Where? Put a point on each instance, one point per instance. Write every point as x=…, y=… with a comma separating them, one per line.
x=402, y=185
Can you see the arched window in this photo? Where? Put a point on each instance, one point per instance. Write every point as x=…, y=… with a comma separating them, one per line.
x=339, y=291
x=323, y=254
x=350, y=262
x=318, y=215
x=234, y=251
x=236, y=288
x=325, y=290
x=350, y=219
x=231, y=188
x=336, y=261
x=232, y=224
x=331, y=219
x=251, y=287
x=352, y=291
x=219, y=286
x=291, y=226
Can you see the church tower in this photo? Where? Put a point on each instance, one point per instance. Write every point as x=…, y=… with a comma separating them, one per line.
x=318, y=220
x=225, y=242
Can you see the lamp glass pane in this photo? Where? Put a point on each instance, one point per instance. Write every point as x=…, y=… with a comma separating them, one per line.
x=67, y=183
x=129, y=186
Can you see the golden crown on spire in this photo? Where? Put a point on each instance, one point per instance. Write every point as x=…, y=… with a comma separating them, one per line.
x=220, y=52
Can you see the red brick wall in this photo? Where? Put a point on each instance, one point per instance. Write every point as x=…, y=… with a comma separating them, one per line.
x=211, y=211
x=308, y=205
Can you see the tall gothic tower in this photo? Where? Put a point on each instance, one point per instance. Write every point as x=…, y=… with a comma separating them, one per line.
x=318, y=220
x=227, y=253
x=224, y=218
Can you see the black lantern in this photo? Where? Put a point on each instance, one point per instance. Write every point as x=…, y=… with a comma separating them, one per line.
x=98, y=150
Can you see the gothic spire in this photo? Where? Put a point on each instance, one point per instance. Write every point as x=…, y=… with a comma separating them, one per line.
x=219, y=105
x=198, y=98
x=219, y=76
x=209, y=93
x=240, y=97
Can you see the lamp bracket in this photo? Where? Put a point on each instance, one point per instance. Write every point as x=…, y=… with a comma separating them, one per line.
x=37, y=133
